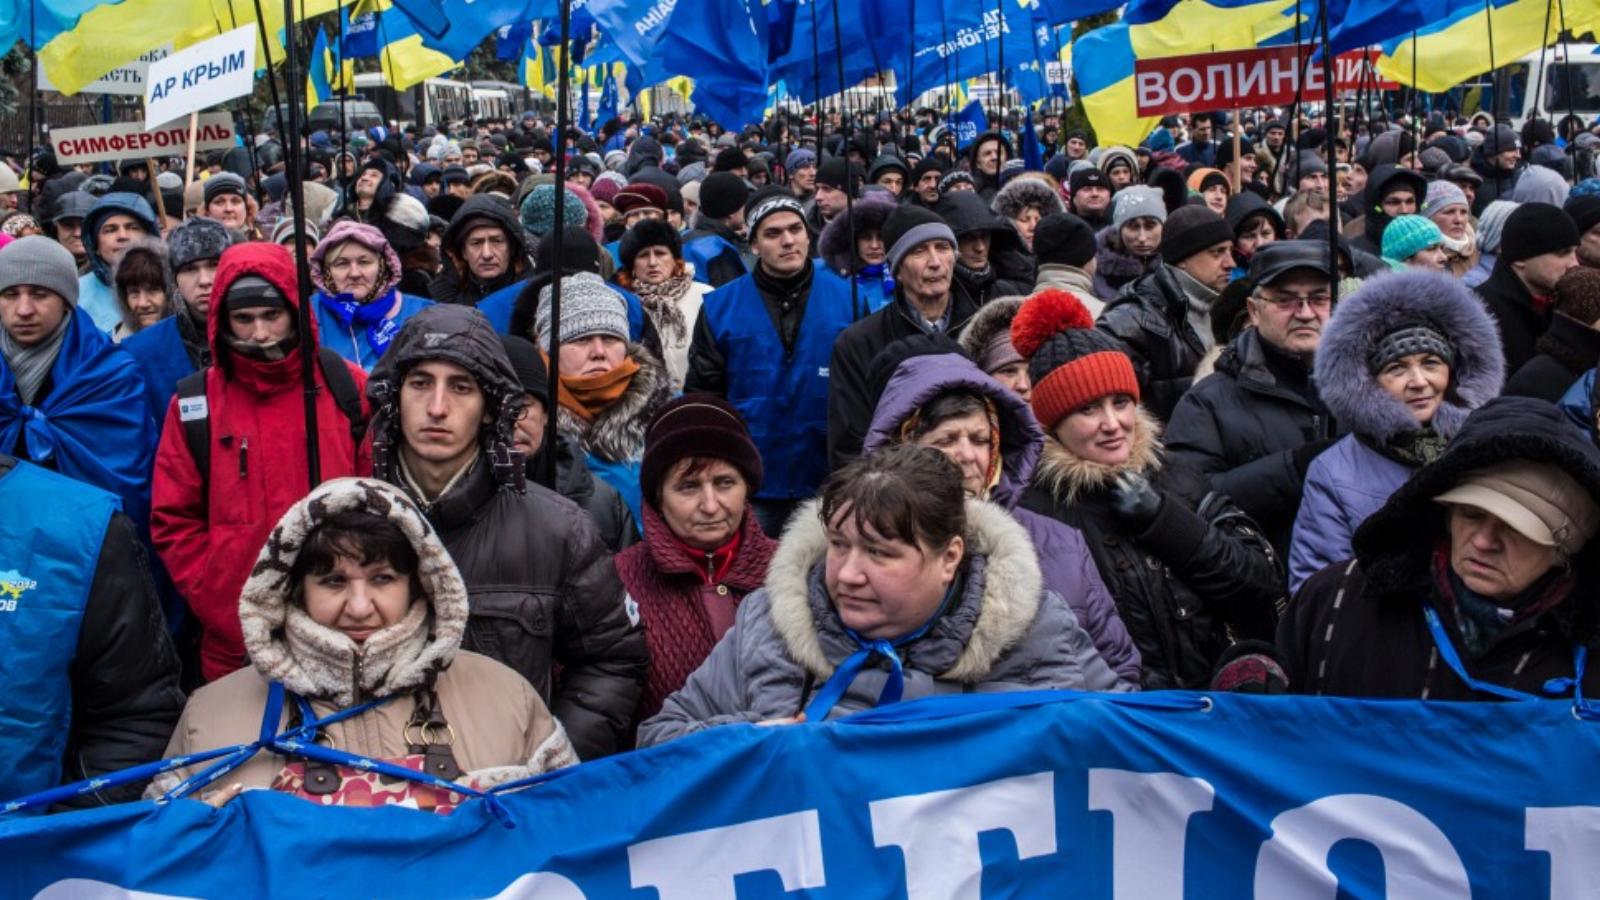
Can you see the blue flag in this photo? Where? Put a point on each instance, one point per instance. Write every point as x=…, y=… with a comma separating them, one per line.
x=608, y=101
x=969, y=123
x=360, y=35
x=510, y=39
x=1032, y=151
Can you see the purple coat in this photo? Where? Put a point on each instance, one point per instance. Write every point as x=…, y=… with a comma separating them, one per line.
x=1064, y=558
x=1345, y=484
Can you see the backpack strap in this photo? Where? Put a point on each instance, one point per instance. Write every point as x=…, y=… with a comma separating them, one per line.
x=195, y=417
x=343, y=387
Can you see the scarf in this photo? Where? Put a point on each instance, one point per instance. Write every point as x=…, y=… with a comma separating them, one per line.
x=1479, y=619
x=661, y=302
x=1417, y=448
x=880, y=271
x=373, y=316
x=978, y=279
x=31, y=365
x=588, y=396
x=1463, y=248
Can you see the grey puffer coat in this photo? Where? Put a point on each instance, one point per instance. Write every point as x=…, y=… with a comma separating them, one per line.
x=1005, y=633
x=1064, y=559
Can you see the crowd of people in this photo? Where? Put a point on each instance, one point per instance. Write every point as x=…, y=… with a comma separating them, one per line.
x=831, y=413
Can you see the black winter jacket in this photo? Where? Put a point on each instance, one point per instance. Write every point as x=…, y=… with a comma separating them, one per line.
x=1358, y=628
x=851, y=399
x=544, y=592
x=1240, y=428
x=574, y=481
x=1198, y=577
x=125, y=694
x=1151, y=318
x=454, y=284
x=1520, y=323
x=1567, y=349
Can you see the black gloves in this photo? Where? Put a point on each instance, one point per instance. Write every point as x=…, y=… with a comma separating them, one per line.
x=1134, y=500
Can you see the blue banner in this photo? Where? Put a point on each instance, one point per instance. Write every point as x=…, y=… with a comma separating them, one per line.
x=968, y=124
x=1141, y=797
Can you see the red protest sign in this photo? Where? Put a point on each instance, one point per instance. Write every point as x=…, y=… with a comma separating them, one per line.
x=1243, y=78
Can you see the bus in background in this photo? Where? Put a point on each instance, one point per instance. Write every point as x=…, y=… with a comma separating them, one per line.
x=442, y=100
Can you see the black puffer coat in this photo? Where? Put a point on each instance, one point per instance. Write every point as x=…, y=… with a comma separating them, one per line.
x=1358, y=629
x=455, y=283
x=1151, y=318
x=540, y=583
x=1198, y=577
x=1240, y=428
x=1567, y=349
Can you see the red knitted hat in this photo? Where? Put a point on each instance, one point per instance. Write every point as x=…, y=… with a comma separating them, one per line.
x=1069, y=362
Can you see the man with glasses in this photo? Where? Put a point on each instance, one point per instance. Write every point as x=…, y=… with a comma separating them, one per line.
x=1253, y=427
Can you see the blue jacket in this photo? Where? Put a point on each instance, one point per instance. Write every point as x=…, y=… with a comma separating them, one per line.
x=1577, y=406
x=353, y=344
x=47, y=566
x=95, y=423
x=1345, y=484
x=782, y=395
x=163, y=360
x=702, y=251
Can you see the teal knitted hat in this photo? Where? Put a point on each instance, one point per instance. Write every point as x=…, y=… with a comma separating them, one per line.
x=1406, y=236
x=539, y=210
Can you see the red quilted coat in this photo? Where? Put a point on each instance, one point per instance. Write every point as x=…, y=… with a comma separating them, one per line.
x=683, y=611
x=208, y=535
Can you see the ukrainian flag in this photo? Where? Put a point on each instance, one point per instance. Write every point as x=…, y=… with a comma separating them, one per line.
x=1105, y=85
x=1455, y=48
x=402, y=58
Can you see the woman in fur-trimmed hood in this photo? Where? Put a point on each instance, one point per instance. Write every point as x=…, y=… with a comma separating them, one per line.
x=354, y=599
x=868, y=262
x=1184, y=565
x=892, y=586
x=1024, y=201
x=1401, y=363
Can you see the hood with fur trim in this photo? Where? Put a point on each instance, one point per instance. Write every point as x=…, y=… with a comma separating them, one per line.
x=1389, y=301
x=1113, y=154
x=319, y=662
x=1066, y=476
x=1003, y=583
x=1021, y=193
x=833, y=245
x=158, y=249
x=990, y=319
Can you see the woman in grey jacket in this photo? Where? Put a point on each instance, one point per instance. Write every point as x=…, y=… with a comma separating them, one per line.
x=892, y=586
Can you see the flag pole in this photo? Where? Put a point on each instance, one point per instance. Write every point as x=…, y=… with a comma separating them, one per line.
x=849, y=179
x=563, y=116
x=1333, y=158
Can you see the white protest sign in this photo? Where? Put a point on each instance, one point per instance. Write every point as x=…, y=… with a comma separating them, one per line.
x=131, y=140
x=194, y=78
x=126, y=79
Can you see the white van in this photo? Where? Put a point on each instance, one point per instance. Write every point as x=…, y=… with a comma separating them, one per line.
x=1570, y=79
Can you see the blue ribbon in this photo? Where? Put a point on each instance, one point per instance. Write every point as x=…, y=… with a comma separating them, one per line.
x=844, y=676
x=1555, y=686
x=372, y=316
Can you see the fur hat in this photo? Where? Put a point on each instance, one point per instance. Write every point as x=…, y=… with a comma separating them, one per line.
x=1069, y=361
x=649, y=233
x=1391, y=302
x=833, y=245
x=1021, y=193
x=196, y=239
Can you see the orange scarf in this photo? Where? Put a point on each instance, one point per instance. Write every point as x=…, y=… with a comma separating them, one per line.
x=588, y=396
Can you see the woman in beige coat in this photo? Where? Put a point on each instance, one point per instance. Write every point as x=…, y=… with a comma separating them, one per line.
x=352, y=601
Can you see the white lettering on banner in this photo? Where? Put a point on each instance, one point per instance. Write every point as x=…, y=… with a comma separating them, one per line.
x=541, y=886
x=125, y=80
x=1418, y=861
x=1151, y=88
x=1252, y=78
x=1571, y=835
x=655, y=17
x=201, y=76
x=1178, y=93
x=1224, y=73
x=129, y=140
x=938, y=831
x=1150, y=814
x=993, y=26
x=701, y=865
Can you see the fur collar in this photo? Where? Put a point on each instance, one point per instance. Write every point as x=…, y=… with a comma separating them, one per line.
x=1066, y=476
x=1011, y=586
x=617, y=434
x=318, y=662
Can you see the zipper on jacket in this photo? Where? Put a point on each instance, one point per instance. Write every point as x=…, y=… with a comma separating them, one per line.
x=244, y=457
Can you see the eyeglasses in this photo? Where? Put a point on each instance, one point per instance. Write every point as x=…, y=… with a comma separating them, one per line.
x=1321, y=301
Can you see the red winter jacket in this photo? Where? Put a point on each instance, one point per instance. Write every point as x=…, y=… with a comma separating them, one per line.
x=672, y=594
x=208, y=536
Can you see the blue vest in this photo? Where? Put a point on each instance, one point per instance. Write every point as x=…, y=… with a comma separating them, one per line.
x=162, y=359
x=50, y=540
x=702, y=250
x=354, y=346
x=784, y=398
x=500, y=305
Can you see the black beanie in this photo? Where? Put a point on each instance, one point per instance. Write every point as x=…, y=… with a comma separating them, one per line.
x=909, y=226
x=1063, y=239
x=887, y=361
x=1534, y=229
x=730, y=158
x=697, y=425
x=528, y=364
x=649, y=233
x=1190, y=230
x=253, y=291
x=579, y=252
x=832, y=174
x=1585, y=212
x=722, y=194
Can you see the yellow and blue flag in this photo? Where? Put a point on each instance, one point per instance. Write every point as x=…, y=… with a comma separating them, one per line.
x=1457, y=47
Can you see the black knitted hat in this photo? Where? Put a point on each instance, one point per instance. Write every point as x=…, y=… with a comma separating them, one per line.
x=1534, y=229
x=697, y=425
x=649, y=233
x=1190, y=230
x=1063, y=239
x=722, y=194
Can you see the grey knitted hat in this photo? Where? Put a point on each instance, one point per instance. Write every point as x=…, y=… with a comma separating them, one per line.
x=41, y=262
x=588, y=306
x=224, y=183
x=1138, y=202
x=196, y=239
